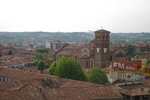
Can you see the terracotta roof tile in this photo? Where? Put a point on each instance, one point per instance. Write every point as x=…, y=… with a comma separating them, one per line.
x=6, y=57
x=20, y=74
x=34, y=86
x=120, y=55
x=132, y=86
x=83, y=93
x=145, y=82
x=68, y=53
x=133, y=92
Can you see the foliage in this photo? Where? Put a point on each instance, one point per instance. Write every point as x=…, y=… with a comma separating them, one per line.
x=35, y=63
x=67, y=68
x=45, y=57
x=133, y=55
x=96, y=75
x=10, y=52
x=46, y=66
x=148, y=62
x=18, y=38
x=41, y=66
x=129, y=50
x=42, y=50
x=52, y=68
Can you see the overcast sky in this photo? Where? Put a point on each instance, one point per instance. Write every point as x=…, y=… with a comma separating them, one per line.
x=75, y=15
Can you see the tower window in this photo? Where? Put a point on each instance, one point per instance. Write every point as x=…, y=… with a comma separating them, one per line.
x=99, y=37
x=106, y=36
x=96, y=44
x=96, y=36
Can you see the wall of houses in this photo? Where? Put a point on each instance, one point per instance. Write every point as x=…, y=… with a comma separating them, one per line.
x=6, y=79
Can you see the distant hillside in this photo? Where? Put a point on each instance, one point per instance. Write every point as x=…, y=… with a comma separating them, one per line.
x=130, y=37
x=41, y=37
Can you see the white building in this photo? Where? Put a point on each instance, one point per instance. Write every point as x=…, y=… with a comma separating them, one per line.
x=48, y=45
x=115, y=75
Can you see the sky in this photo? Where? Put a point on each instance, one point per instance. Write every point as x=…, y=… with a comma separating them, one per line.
x=75, y=15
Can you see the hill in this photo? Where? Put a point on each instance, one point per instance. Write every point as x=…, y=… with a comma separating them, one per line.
x=41, y=37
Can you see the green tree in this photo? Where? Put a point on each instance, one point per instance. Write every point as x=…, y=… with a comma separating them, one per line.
x=96, y=75
x=68, y=68
x=35, y=63
x=10, y=52
x=41, y=66
x=52, y=68
x=45, y=57
x=129, y=51
x=42, y=50
x=46, y=65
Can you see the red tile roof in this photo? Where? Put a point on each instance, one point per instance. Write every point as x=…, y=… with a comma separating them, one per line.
x=83, y=93
x=20, y=74
x=145, y=82
x=133, y=92
x=69, y=53
x=35, y=86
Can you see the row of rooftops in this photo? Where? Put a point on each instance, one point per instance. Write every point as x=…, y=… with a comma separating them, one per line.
x=30, y=85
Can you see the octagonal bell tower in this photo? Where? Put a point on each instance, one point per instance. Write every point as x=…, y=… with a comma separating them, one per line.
x=101, y=44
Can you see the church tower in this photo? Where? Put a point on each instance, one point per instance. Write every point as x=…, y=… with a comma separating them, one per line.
x=101, y=44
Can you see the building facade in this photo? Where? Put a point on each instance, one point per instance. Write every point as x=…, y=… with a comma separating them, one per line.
x=94, y=54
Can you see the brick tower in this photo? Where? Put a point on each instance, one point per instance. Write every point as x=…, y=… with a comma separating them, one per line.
x=101, y=44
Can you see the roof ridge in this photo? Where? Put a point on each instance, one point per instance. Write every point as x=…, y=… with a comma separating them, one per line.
x=132, y=92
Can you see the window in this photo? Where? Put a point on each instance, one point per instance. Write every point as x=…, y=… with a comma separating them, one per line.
x=103, y=37
x=105, y=50
x=98, y=50
x=96, y=36
x=85, y=50
x=96, y=44
x=106, y=37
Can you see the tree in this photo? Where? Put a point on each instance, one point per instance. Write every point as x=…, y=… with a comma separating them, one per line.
x=129, y=51
x=41, y=66
x=45, y=57
x=68, y=68
x=35, y=63
x=46, y=65
x=42, y=50
x=52, y=68
x=10, y=52
x=96, y=75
